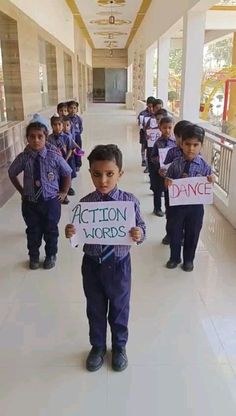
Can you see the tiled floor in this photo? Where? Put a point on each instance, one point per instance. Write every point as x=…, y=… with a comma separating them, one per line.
x=182, y=345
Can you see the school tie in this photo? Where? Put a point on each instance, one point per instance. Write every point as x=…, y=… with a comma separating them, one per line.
x=107, y=251
x=38, y=190
x=186, y=167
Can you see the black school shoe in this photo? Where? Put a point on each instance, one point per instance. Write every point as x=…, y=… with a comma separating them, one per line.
x=166, y=240
x=95, y=358
x=66, y=201
x=188, y=266
x=119, y=359
x=49, y=262
x=158, y=212
x=172, y=264
x=34, y=263
x=143, y=163
x=71, y=192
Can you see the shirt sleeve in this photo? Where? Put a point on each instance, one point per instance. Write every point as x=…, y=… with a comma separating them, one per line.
x=17, y=166
x=64, y=168
x=139, y=221
x=169, y=157
x=80, y=125
x=170, y=172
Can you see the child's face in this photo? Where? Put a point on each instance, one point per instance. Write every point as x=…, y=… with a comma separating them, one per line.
x=63, y=111
x=36, y=139
x=105, y=174
x=150, y=108
x=159, y=117
x=66, y=126
x=191, y=148
x=166, y=129
x=57, y=127
x=73, y=109
x=178, y=140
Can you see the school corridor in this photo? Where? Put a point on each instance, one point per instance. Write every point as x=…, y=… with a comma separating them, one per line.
x=182, y=341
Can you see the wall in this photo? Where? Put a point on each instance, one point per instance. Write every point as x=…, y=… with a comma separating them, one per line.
x=102, y=58
x=43, y=12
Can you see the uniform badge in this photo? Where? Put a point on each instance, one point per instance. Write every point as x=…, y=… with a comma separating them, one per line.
x=51, y=176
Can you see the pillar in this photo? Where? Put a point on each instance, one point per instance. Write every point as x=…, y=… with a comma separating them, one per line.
x=149, y=72
x=193, y=44
x=232, y=100
x=163, y=68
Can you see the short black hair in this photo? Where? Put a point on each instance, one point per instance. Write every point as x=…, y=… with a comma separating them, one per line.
x=180, y=126
x=150, y=100
x=166, y=119
x=193, y=131
x=55, y=119
x=72, y=102
x=61, y=105
x=36, y=126
x=106, y=152
x=159, y=101
x=66, y=118
x=162, y=112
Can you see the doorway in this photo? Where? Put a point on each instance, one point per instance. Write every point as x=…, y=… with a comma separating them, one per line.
x=109, y=85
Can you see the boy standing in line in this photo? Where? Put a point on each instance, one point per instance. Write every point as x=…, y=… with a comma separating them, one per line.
x=42, y=196
x=106, y=270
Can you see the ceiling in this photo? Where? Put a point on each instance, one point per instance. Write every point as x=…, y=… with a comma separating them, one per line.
x=94, y=17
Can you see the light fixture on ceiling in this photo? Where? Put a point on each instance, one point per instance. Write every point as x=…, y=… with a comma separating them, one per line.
x=111, y=18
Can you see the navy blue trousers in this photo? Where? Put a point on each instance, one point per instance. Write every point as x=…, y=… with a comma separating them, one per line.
x=42, y=219
x=107, y=289
x=78, y=141
x=187, y=219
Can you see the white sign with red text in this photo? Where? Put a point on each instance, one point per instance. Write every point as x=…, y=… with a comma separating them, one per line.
x=191, y=191
x=162, y=156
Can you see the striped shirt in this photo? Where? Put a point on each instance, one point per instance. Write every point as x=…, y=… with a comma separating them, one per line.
x=173, y=154
x=198, y=167
x=52, y=167
x=76, y=124
x=62, y=141
x=115, y=195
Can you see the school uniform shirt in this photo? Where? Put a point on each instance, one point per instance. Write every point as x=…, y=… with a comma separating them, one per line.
x=161, y=143
x=62, y=141
x=142, y=114
x=76, y=124
x=198, y=167
x=70, y=140
x=173, y=154
x=52, y=167
x=115, y=195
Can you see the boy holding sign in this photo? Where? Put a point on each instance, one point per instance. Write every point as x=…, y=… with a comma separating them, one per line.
x=167, y=140
x=106, y=269
x=187, y=218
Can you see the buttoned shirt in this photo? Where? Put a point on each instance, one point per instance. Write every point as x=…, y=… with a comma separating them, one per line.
x=161, y=143
x=173, y=154
x=76, y=124
x=115, y=195
x=61, y=140
x=52, y=167
x=198, y=167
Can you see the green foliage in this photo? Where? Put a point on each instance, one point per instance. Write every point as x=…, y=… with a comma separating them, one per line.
x=220, y=52
x=175, y=61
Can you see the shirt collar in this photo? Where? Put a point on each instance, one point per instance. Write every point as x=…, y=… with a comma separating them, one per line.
x=113, y=194
x=196, y=160
x=33, y=154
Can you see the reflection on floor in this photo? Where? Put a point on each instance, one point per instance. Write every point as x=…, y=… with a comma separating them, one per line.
x=182, y=345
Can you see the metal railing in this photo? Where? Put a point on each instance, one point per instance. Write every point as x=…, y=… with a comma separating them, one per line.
x=217, y=151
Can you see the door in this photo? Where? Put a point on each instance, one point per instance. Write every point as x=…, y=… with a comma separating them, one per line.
x=115, y=85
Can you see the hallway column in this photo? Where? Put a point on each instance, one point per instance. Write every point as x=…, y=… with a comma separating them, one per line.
x=232, y=99
x=193, y=44
x=163, y=68
x=149, y=73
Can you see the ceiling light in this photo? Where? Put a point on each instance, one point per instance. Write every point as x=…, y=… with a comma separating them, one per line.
x=112, y=20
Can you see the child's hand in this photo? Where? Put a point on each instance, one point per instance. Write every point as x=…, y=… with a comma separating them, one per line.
x=136, y=234
x=162, y=172
x=69, y=230
x=168, y=182
x=211, y=178
x=61, y=196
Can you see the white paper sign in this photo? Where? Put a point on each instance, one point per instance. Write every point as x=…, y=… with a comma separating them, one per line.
x=191, y=191
x=106, y=222
x=152, y=136
x=162, y=156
